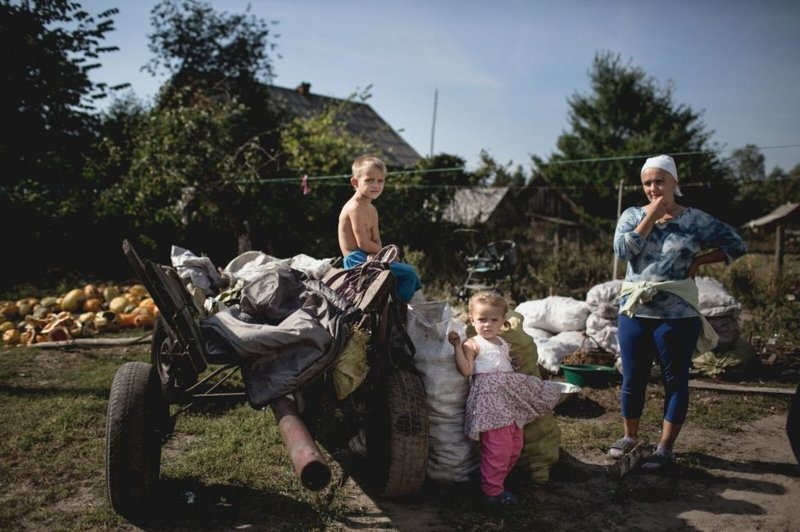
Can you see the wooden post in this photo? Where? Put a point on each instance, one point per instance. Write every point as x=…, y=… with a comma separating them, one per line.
x=619, y=213
x=778, y=258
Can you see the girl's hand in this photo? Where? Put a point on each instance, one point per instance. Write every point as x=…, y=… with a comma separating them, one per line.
x=454, y=338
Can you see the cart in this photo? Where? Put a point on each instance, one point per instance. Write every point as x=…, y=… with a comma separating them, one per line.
x=388, y=407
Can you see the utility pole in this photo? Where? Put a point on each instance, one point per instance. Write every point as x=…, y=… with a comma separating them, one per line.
x=433, y=127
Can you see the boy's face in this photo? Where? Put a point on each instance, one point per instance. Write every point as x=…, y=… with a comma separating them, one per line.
x=369, y=184
x=487, y=320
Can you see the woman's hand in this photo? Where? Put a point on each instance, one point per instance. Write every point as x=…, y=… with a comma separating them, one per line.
x=655, y=209
x=454, y=338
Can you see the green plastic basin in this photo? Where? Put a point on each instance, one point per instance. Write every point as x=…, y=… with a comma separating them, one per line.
x=591, y=375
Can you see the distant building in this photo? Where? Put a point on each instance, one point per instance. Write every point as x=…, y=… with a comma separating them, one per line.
x=361, y=120
x=475, y=206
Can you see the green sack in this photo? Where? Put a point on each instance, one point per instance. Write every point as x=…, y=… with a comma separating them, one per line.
x=351, y=368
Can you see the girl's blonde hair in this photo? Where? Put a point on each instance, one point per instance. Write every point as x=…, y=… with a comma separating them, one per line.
x=489, y=298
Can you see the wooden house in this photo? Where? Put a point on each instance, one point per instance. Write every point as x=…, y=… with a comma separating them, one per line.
x=360, y=120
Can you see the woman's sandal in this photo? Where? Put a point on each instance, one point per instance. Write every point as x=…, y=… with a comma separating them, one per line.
x=657, y=462
x=621, y=447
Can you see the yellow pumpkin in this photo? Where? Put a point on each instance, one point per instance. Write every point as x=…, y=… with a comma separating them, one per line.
x=73, y=300
x=118, y=304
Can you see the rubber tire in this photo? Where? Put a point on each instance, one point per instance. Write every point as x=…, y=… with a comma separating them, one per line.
x=397, y=435
x=137, y=419
x=175, y=373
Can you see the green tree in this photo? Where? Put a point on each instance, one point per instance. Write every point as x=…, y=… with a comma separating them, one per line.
x=191, y=42
x=747, y=164
x=626, y=117
x=47, y=50
x=190, y=167
x=190, y=180
x=318, y=145
x=490, y=172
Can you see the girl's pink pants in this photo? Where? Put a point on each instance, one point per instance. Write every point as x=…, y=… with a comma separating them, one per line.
x=500, y=450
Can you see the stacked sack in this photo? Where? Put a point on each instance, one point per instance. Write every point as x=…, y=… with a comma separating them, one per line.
x=559, y=324
x=722, y=311
x=542, y=436
x=451, y=455
x=601, y=324
x=563, y=318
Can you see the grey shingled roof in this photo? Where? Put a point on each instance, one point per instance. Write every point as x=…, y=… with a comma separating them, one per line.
x=361, y=120
x=786, y=212
x=474, y=205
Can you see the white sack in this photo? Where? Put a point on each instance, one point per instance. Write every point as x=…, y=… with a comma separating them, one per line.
x=553, y=350
x=604, y=330
x=555, y=314
x=537, y=334
x=715, y=300
x=603, y=299
x=452, y=456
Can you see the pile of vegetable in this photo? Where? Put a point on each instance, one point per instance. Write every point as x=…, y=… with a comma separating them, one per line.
x=81, y=312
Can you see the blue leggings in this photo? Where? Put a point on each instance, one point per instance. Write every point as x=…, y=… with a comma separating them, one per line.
x=672, y=343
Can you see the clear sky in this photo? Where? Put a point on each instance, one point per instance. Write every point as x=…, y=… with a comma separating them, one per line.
x=505, y=68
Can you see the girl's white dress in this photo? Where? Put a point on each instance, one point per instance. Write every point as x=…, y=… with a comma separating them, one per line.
x=499, y=397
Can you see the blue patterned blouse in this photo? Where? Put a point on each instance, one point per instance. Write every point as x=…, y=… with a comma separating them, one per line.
x=668, y=252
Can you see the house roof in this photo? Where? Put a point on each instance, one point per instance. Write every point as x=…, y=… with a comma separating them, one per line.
x=361, y=120
x=474, y=205
x=786, y=212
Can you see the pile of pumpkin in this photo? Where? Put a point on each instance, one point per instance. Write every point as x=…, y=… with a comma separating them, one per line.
x=81, y=312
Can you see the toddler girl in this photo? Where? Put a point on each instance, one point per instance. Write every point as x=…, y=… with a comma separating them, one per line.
x=500, y=401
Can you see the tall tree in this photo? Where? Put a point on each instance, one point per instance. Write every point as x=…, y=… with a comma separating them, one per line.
x=211, y=135
x=47, y=49
x=190, y=40
x=747, y=164
x=624, y=118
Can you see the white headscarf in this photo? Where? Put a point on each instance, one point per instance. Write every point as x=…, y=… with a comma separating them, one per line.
x=666, y=163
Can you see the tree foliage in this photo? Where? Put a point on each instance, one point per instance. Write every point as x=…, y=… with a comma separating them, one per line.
x=626, y=117
x=191, y=41
x=746, y=164
x=47, y=50
x=189, y=176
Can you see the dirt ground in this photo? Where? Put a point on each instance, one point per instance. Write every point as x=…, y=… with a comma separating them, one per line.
x=750, y=481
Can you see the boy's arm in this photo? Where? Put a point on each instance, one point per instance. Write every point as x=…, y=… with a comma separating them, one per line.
x=365, y=230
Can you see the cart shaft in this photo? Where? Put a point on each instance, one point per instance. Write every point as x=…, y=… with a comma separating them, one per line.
x=309, y=464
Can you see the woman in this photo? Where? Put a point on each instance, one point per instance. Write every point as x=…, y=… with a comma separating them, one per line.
x=665, y=244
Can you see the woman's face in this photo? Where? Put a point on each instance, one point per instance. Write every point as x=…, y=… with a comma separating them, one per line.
x=657, y=183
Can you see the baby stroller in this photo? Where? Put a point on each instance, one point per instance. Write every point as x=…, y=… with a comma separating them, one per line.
x=491, y=267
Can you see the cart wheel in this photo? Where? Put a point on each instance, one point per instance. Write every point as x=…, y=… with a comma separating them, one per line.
x=137, y=419
x=397, y=435
x=172, y=364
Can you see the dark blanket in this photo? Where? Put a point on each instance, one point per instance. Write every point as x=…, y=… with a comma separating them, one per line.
x=285, y=332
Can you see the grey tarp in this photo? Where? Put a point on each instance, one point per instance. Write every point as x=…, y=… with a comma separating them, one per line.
x=279, y=358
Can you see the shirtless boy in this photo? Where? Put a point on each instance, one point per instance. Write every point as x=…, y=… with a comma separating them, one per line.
x=358, y=232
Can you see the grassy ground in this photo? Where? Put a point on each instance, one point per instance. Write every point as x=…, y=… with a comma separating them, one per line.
x=227, y=467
